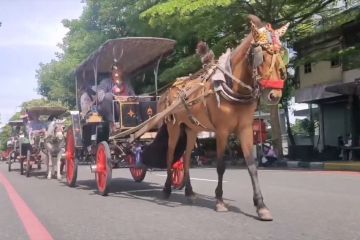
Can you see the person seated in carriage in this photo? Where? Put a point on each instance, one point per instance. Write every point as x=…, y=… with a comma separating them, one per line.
x=107, y=90
x=87, y=99
x=23, y=135
x=36, y=128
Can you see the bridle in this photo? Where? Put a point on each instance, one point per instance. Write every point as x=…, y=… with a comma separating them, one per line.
x=265, y=81
x=255, y=60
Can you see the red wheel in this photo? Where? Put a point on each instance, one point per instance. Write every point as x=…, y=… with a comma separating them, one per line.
x=178, y=174
x=71, y=161
x=103, y=168
x=138, y=174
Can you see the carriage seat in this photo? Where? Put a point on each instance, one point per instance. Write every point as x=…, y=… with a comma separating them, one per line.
x=93, y=117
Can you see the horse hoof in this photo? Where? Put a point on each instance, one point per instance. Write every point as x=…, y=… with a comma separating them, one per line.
x=49, y=177
x=191, y=198
x=264, y=214
x=221, y=207
x=166, y=194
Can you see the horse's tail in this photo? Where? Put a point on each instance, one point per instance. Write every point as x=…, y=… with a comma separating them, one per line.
x=155, y=154
x=206, y=54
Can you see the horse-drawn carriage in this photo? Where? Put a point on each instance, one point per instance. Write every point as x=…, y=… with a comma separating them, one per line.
x=92, y=137
x=221, y=98
x=31, y=136
x=13, y=144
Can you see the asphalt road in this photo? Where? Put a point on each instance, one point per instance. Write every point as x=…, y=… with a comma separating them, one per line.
x=305, y=205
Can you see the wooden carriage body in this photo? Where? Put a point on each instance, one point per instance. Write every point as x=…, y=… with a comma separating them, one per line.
x=135, y=111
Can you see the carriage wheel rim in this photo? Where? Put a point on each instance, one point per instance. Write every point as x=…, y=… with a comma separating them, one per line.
x=135, y=172
x=70, y=156
x=177, y=178
x=101, y=168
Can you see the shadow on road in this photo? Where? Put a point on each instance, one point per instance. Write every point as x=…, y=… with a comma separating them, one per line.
x=152, y=192
x=38, y=173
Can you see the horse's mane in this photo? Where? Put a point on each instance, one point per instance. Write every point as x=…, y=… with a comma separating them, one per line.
x=51, y=128
x=241, y=51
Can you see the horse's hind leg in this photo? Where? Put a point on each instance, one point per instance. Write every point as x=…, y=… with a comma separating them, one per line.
x=58, y=165
x=246, y=140
x=190, y=142
x=221, y=142
x=174, y=134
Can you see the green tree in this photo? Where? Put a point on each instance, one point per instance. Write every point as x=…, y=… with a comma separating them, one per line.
x=100, y=21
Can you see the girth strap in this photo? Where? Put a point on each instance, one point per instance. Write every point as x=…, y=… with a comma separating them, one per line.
x=192, y=118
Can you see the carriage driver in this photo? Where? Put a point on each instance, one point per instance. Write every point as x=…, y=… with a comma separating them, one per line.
x=107, y=89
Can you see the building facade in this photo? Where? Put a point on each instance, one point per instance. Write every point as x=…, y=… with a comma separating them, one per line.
x=329, y=76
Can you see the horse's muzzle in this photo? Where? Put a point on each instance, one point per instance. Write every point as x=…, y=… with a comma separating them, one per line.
x=274, y=96
x=271, y=96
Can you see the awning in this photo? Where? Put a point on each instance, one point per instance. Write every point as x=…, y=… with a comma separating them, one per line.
x=351, y=88
x=314, y=93
x=306, y=112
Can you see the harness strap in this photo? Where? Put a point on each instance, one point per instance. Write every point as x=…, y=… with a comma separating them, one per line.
x=269, y=72
x=235, y=79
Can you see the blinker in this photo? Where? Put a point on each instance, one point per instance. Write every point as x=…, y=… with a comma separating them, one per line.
x=258, y=57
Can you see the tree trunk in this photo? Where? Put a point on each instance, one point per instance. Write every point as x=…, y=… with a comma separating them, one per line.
x=288, y=126
x=276, y=130
x=312, y=129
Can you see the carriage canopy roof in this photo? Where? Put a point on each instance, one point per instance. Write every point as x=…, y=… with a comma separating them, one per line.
x=16, y=123
x=132, y=54
x=55, y=111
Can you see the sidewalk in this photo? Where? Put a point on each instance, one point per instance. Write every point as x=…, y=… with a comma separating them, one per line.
x=336, y=165
x=291, y=164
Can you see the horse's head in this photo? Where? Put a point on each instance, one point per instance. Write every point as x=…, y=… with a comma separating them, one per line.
x=56, y=129
x=268, y=61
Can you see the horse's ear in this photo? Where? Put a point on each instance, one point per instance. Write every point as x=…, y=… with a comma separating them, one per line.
x=255, y=32
x=281, y=31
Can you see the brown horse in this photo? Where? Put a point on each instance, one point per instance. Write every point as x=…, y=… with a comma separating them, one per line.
x=228, y=106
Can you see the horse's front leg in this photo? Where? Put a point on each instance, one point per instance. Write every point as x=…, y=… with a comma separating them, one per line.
x=50, y=165
x=174, y=134
x=190, y=143
x=246, y=140
x=221, y=142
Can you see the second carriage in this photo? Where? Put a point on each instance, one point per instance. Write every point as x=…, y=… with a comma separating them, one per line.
x=29, y=136
x=106, y=145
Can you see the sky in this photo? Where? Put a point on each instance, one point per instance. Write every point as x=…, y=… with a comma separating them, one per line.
x=29, y=34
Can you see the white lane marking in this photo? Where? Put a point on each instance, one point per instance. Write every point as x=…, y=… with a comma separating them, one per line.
x=198, y=179
x=140, y=190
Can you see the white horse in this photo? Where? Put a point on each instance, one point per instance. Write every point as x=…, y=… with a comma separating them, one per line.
x=55, y=146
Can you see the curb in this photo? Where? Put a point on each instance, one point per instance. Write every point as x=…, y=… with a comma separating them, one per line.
x=342, y=166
